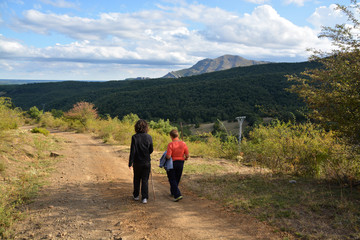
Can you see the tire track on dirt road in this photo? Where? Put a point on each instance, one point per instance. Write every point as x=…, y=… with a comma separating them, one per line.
x=89, y=197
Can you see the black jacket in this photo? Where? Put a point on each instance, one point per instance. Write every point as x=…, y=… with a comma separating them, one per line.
x=140, y=150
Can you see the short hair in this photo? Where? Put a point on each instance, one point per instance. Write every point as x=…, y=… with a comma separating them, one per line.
x=141, y=126
x=174, y=133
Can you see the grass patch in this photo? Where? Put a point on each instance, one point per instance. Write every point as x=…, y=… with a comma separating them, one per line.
x=40, y=130
x=27, y=163
x=202, y=168
x=308, y=209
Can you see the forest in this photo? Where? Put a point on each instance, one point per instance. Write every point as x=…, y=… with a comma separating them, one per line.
x=255, y=91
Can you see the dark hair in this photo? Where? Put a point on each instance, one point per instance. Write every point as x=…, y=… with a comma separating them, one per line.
x=141, y=126
x=174, y=133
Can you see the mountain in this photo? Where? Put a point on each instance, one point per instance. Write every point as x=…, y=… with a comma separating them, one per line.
x=253, y=91
x=212, y=65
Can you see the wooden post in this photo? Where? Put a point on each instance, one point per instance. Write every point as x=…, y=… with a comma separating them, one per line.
x=182, y=131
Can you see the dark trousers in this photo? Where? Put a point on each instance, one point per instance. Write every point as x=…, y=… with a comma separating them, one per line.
x=141, y=175
x=174, y=176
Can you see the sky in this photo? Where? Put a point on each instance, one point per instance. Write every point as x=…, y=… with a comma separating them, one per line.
x=119, y=39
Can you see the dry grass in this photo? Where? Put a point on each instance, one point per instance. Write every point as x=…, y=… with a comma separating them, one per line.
x=307, y=209
x=25, y=159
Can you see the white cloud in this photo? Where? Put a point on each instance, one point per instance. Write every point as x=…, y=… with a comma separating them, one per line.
x=296, y=2
x=9, y=48
x=263, y=27
x=160, y=39
x=257, y=1
x=327, y=16
x=131, y=26
x=59, y=3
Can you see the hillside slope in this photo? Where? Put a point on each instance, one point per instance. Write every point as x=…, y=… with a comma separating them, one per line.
x=249, y=91
x=212, y=65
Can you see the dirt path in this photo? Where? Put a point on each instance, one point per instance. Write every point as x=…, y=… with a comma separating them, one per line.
x=89, y=197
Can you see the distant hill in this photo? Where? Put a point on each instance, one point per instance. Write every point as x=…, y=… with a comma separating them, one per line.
x=212, y=65
x=255, y=91
x=20, y=81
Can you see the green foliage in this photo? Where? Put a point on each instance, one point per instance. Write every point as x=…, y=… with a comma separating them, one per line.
x=207, y=145
x=40, y=130
x=35, y=113
x=162, y=126
x=204, y=98
x=57, y=113
x=131, y=118
x=332, y=91
x=302, y=149
x=49, y=121
x=9, y=117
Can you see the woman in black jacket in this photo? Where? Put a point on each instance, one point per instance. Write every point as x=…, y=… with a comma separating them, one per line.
x=139, y=159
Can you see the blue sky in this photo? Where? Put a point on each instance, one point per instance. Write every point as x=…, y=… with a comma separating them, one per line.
x=113, y=40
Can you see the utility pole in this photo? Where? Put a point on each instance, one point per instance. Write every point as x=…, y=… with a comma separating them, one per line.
x=240, y=120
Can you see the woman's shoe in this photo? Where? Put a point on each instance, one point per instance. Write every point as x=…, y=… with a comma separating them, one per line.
x=178, y=198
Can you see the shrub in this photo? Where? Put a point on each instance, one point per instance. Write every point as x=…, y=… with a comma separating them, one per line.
x=40, y=130
x=302, y=149
x=10, y=118
x=35, y=113
x=207, y=145
x=162, y=126
x=57, y=113
x=82, y=112
x=48, y=120
x=130, y=118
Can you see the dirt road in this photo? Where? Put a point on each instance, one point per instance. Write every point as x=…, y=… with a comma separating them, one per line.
x=89, y=197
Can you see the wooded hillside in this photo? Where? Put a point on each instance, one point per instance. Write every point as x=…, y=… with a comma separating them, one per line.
x=251, y=91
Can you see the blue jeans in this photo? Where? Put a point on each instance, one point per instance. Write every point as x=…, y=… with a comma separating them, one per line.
x=174, y=176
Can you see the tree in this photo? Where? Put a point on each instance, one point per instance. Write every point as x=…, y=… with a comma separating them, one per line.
x=35, y=113
x=333, y=90
x=82, y=111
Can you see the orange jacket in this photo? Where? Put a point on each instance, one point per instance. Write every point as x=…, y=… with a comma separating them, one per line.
x=177, y=150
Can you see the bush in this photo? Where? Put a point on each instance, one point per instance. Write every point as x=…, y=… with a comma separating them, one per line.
x=162, y=126
x=82, y=112
x=40, y=130
x=57, y=113
x=10, y=118
x=48, y=120
x=208, y=145
x=302, y=149
x=35, y=113
x=130, y=118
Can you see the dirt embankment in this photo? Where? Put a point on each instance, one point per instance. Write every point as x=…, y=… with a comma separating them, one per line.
x=89, y=197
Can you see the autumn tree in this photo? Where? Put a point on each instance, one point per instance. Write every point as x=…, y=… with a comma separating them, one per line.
x=82, y=111
x=332, y=91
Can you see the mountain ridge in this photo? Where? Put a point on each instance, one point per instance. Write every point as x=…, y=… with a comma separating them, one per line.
x=209, y=65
